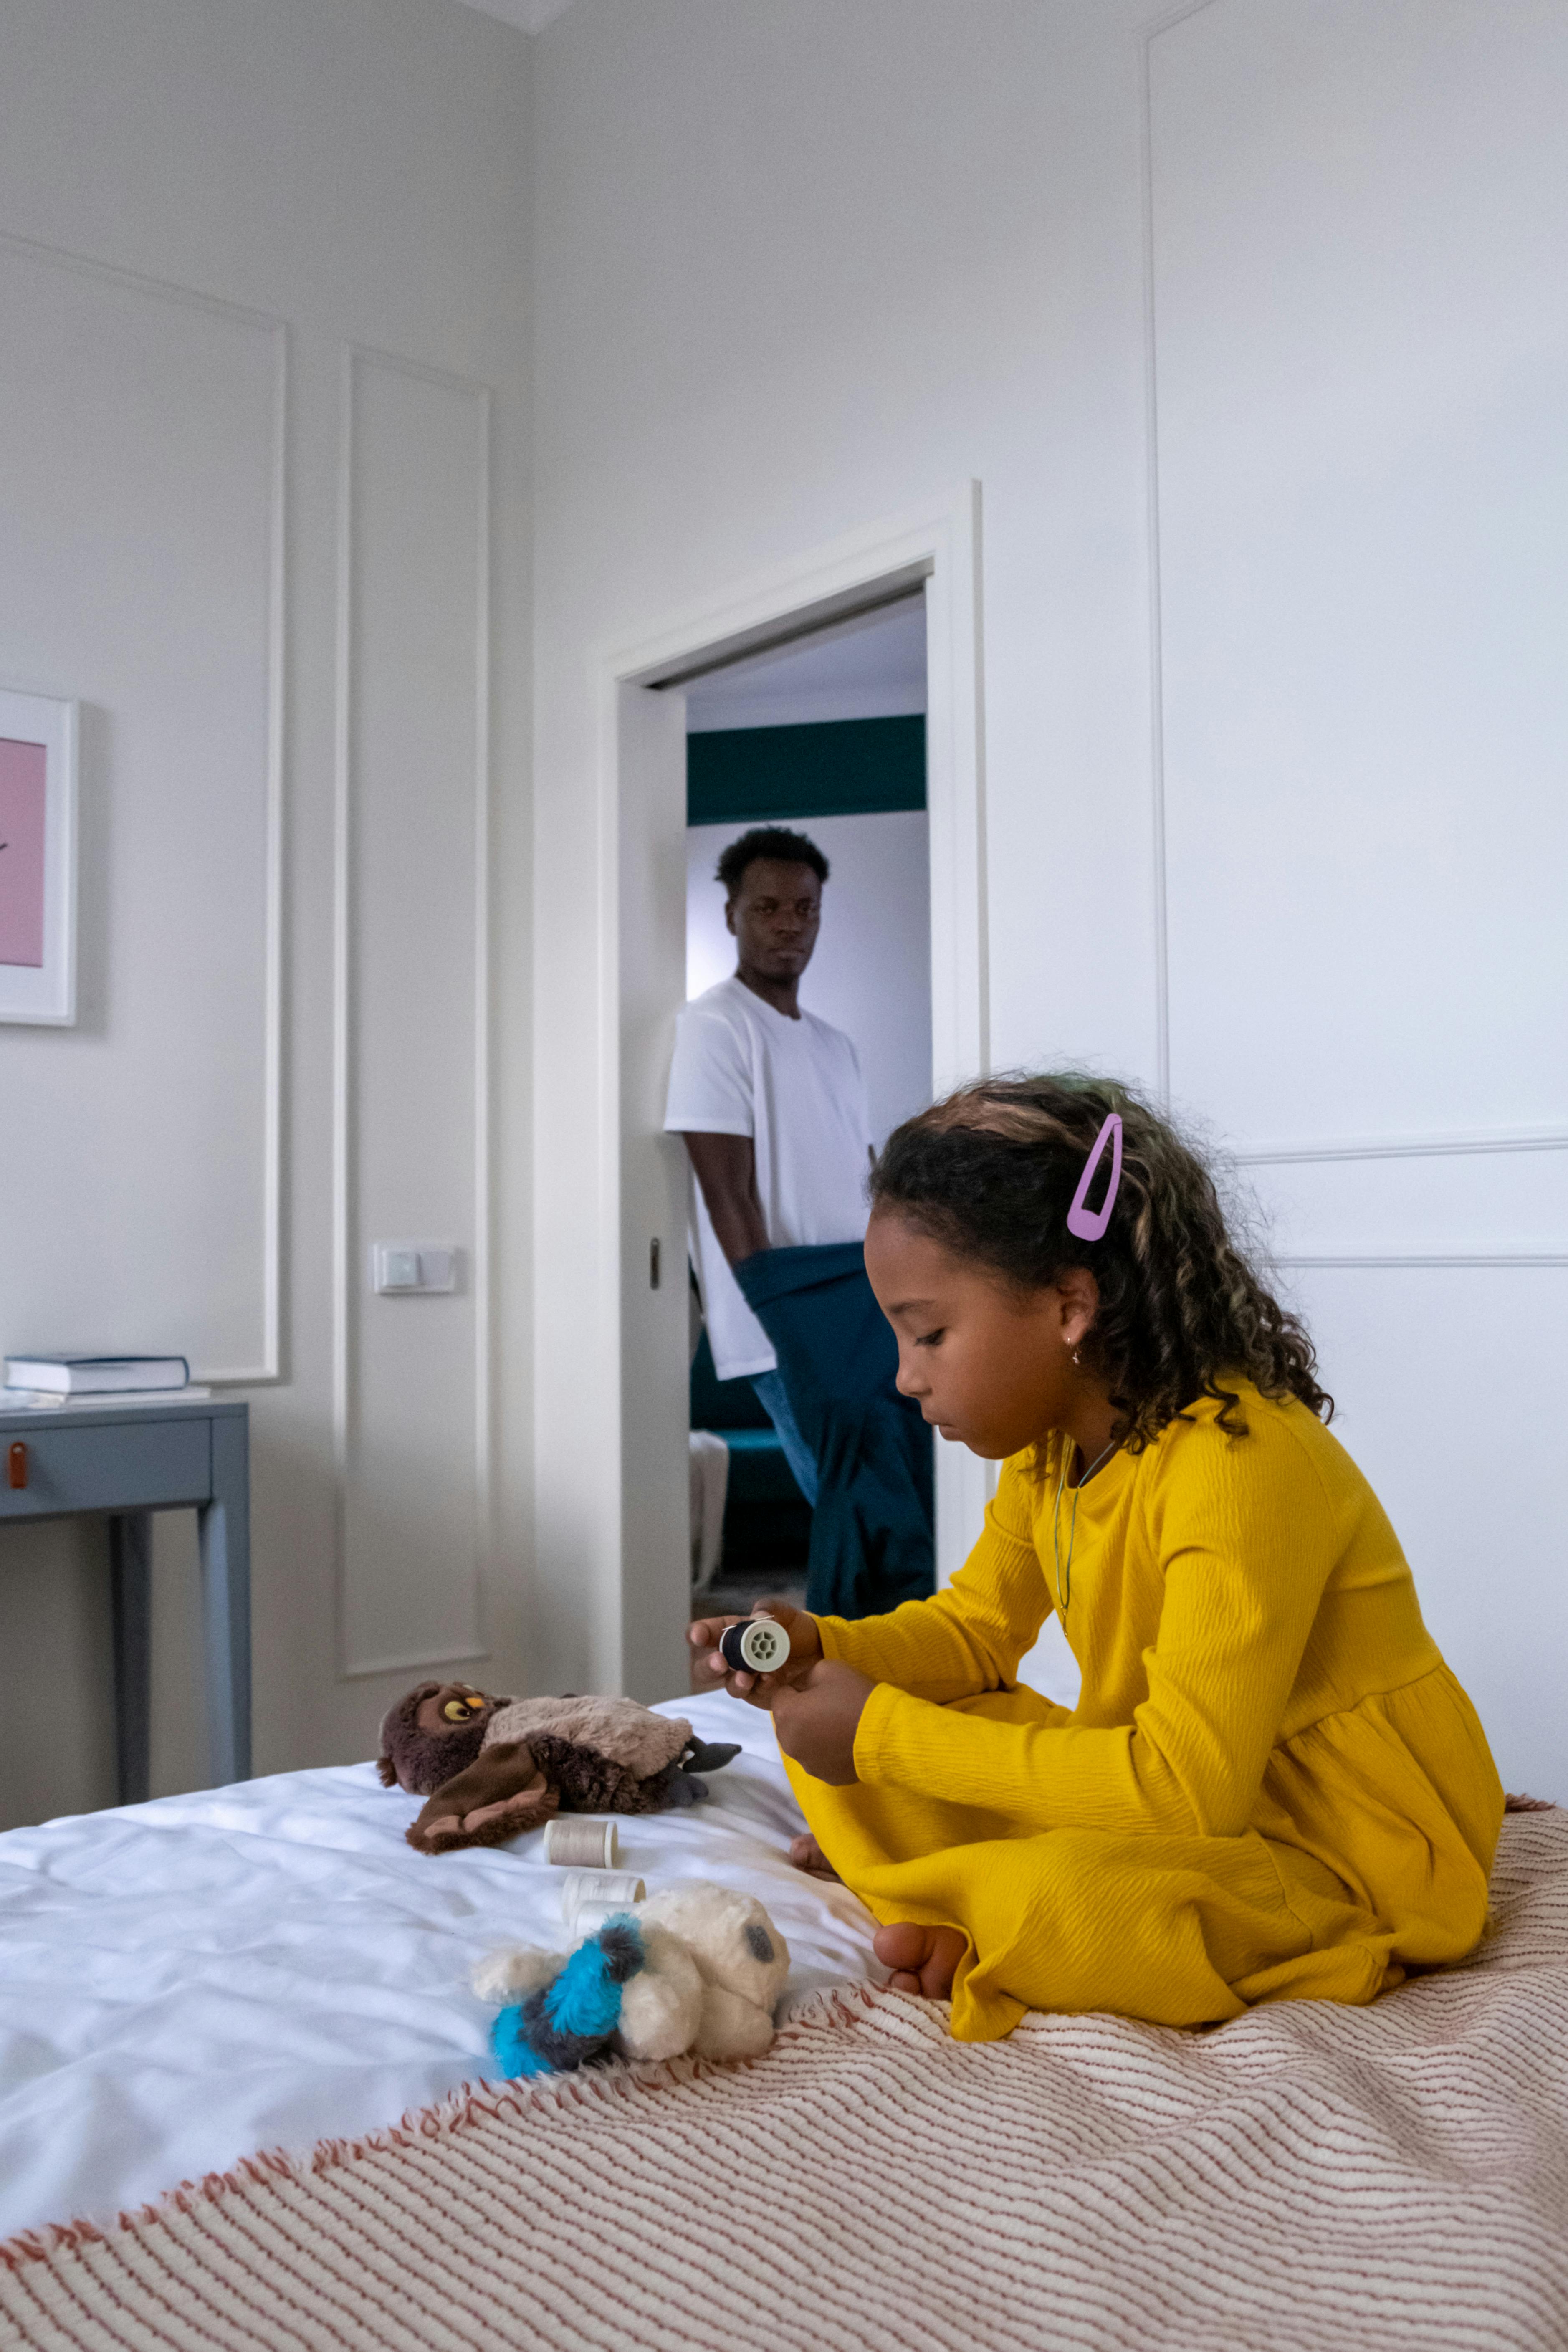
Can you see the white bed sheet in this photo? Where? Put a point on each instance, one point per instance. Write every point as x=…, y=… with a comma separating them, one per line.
x=185, y=1982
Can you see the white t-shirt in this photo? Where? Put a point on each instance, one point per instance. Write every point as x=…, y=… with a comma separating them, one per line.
x=795, y=1088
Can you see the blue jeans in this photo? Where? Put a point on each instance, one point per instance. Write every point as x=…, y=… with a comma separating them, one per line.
x=773, y=1398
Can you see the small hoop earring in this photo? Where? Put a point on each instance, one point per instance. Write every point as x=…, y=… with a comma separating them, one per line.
x=1077, y=1355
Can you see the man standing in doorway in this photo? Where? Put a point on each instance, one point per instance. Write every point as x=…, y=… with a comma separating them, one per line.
x=770, y=1105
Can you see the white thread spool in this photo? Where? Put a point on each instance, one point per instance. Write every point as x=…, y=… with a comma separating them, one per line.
x=579, y=1844
x=589, y=1898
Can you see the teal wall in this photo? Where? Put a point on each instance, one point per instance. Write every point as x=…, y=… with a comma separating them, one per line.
x=839, y=767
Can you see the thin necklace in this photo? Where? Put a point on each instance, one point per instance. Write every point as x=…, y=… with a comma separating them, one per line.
x=1064, y=1568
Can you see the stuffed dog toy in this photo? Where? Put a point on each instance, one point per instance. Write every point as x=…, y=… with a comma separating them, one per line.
x=696, y=1968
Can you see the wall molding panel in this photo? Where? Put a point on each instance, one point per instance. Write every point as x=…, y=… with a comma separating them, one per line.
x=1432, y=1146
x=1435, y=1259
x=412, y=1387
x=133, y=704
x=1160, y=907
x=1504, y=1190
x=1213, y=311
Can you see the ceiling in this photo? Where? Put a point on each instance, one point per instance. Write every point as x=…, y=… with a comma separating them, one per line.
x=529, y=15
x=870, y=667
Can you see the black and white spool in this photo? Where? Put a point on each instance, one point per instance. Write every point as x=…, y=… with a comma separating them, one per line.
x=757, y=1646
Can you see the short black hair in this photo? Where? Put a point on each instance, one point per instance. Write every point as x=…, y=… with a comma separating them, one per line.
x=773, y=841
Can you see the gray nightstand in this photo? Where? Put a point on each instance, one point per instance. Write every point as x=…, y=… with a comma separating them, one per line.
x=130, y=1461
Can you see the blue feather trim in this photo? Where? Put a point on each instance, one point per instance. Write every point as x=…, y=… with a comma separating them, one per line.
x=510, y=2043
x=585, y=1998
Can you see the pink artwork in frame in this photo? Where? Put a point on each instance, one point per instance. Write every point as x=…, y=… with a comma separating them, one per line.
x=24, y=784
x=37, y=857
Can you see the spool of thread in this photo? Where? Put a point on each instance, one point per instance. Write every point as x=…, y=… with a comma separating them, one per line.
x=589, y=1898
x=577, y=1844
x=757, y=1645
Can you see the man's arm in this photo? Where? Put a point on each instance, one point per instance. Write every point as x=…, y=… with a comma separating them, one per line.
x=726, y=1168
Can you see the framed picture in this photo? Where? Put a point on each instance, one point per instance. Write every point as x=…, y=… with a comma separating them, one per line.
x=38, y=858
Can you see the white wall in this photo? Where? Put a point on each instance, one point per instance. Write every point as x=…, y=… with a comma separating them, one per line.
x=1362, y=286
x=263, y=566
x=798, y=267
x=1269, y=723
x=870, y=975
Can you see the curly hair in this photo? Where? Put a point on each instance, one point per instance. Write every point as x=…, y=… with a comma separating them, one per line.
x=991, y=1173
x=775, y=841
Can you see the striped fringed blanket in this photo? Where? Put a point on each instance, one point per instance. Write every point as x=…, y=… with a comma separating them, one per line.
x=1308, y=2177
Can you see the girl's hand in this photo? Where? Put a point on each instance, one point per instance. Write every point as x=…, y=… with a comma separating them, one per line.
x=816, y=1717
x=804, y=1650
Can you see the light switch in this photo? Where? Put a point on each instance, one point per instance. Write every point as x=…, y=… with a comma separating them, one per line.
x=414, y=1266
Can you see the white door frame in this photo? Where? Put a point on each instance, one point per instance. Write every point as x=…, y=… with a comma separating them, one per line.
x=641, y=880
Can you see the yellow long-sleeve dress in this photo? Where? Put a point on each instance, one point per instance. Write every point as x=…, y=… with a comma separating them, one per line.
x=1272, y=1787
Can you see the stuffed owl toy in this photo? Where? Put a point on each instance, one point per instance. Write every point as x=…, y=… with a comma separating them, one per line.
x=696, y=1969
x=491, y=1767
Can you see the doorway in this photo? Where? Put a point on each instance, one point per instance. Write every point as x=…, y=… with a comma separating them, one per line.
x=928, y=563
x=824, y=735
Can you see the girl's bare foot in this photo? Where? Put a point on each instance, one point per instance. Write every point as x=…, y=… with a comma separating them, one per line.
x=806, y=1854
x=922, y=1958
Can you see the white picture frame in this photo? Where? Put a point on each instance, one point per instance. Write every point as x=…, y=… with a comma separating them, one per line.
x=38, y=918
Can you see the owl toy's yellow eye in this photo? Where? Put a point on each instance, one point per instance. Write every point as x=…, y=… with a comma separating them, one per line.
x=455, y=1710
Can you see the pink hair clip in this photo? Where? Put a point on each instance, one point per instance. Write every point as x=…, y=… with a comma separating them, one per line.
x=1089, y=1225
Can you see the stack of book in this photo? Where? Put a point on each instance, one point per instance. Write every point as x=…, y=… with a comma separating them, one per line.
x=46, y=1380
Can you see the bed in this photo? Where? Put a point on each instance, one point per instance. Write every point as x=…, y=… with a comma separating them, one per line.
x=186, y=1981
x=246, y=1990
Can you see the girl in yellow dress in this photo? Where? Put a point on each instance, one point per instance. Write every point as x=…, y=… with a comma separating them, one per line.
x=1271, y=1788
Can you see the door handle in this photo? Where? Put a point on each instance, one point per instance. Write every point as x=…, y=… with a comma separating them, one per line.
x=17, y=1464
